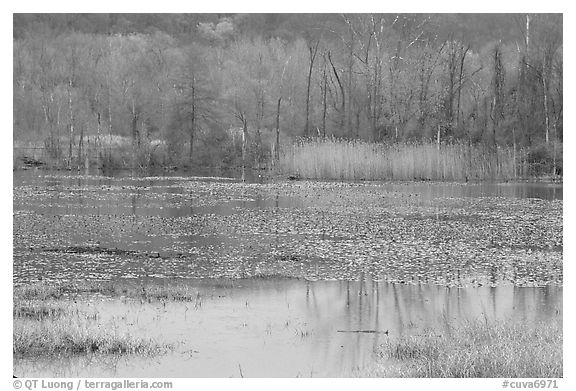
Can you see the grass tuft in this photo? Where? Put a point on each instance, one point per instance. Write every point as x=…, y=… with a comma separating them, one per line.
x=37, y=310
x=43, y=291
x=49, y=322
x=477, y=349
x=63, y=337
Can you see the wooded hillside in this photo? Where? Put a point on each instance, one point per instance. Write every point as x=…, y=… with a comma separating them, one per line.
x=190, y=86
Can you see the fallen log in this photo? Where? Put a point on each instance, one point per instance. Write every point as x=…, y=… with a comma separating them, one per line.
x=364, y=331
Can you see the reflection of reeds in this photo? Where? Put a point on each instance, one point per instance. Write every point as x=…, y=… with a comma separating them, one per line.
x=477, y=349
x=303, y=333
x=355, y=160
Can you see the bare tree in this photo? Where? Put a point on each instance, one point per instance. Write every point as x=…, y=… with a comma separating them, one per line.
x=497, y=104
x=313, y=50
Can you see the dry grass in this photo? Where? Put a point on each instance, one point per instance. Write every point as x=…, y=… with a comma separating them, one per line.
x=48, y=323
x=58, y=336
x=477, y=349
x=357, y=160
x=43, y=291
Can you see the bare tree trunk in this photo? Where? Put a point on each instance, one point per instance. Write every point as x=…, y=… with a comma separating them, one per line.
x=87, y=158
x=554, y=151
x=438, y=147
x=527, y=36
x=109, y=124
x=58, y=146
x=192, y=121
x=494, y=116
x=109, y=105
x=497, y=107
x=394, y=112
x=519, y=110
x=135, y=136
x=449, y=100
x=313, y=50
x=349, y=86
x=71, y=114
x=460, y=82
x=514, y=150
x=546, y=115
x=191, y=142
x=342, y=100
x=244, y=140
x=46, y=110
x=277, y=147
x=375, y=101
x=135, y=129
x=545, y=91
x=98, y=142
x=324, y=101
x=80, y=146
x=495, y=122
x=470, y=148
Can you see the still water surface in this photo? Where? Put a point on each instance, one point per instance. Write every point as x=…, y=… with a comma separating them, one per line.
x=287, y=328
x=396, y=257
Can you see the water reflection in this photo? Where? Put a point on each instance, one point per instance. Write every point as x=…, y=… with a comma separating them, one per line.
x=165, y=196
x=545, y=191
x=293, y=327
x=170, y=197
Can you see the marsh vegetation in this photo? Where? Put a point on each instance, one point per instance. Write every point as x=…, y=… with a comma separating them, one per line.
x=476, y=348
x=357, y=160
x=59, y=329
x=138, y=267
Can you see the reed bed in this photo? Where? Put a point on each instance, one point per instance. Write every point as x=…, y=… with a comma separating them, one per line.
x=360, y=160
x=476, y=349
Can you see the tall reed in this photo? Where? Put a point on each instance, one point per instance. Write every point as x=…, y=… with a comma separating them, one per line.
x=354, y=160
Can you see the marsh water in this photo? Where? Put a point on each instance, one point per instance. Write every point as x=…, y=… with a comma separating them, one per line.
x=294, y=278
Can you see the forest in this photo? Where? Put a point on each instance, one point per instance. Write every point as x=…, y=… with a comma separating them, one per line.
x=218, y=90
